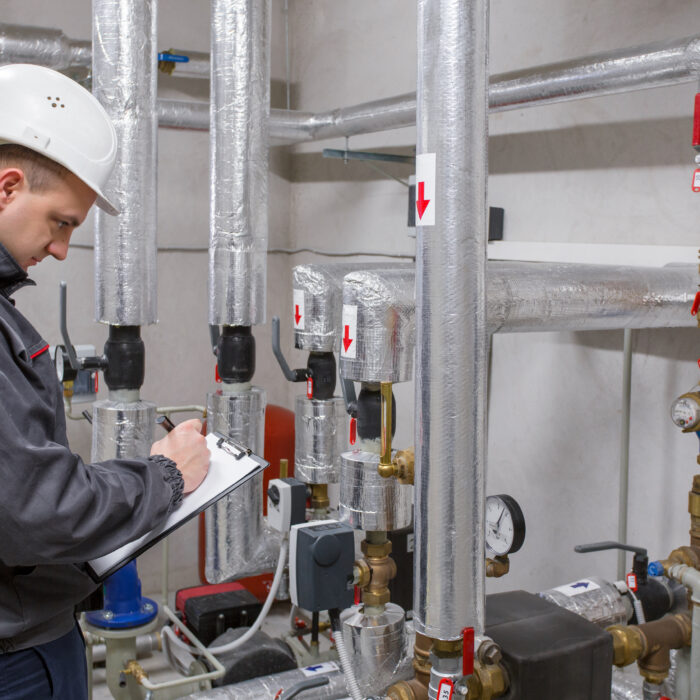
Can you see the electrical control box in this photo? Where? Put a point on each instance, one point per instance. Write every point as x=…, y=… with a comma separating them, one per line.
x=321, y=558
x=549, y=653
x=286, y=503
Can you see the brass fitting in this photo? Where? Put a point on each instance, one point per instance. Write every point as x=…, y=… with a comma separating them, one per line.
x=488, y=681
x=694, y=510
x=319, y=496
x=416, y=688
x=382, y=569
x=402, y=467
x=387, y=420
x=447, y=649
x=649, y=644
x=689, y=556
x=134, y=668
x=500, y=566
x=629, y=644
x=68, y=388
x=363, y=575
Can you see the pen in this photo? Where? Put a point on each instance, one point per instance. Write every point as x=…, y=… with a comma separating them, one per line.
x=167, y=424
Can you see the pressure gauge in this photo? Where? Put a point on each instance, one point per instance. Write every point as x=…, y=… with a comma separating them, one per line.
x=685, y=412
x=505, y=525
x=64, y=371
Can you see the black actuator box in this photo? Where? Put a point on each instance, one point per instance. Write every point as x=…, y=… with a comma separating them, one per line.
x=549, y=653
x=321, y=557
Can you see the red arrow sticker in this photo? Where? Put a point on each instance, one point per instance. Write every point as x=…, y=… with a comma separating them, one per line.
x=348, y=345
x=425, y=189
x=298, y=309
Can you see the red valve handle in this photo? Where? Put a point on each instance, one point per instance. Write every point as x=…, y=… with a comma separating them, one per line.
x=467, y=651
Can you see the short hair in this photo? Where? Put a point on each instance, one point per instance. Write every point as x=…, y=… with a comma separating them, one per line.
x=41, y=172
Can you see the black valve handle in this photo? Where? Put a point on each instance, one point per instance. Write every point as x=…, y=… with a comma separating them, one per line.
x=76, y=363
x=292, y=375
x=640, y=562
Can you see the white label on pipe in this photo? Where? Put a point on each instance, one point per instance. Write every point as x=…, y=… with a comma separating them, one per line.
x=320, y=669
x=445, y=689
x=578, y=587
x=348, y=342
x=298, y=309
x=425, y=189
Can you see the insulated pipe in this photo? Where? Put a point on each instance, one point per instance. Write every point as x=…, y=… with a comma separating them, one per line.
x=124, y=81
x=525, y=297
x=240, y=103
x=46, y=47
x=451, y=329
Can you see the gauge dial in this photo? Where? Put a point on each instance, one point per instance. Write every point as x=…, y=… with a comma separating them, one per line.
x=505, y=525
x=685, y=412
x=64, y=371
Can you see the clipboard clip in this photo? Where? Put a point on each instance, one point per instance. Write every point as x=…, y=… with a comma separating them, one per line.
x=233, y=448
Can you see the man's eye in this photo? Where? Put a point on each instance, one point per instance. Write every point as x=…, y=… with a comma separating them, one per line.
x=63, y=224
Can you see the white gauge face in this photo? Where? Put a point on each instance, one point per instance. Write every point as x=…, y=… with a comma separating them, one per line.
x=58, y=362
x=500, y=530
x=685, y=412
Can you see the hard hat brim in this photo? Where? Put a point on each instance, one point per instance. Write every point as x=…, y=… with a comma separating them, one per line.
x=106, y=206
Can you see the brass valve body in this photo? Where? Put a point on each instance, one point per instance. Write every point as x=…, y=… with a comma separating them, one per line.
x=382, y=569
x=488, y=681
x=402, y=467
x=319, y=496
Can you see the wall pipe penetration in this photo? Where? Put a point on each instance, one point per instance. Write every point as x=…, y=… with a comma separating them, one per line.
x=606, y=73
x=124, y=81
x=451, y=329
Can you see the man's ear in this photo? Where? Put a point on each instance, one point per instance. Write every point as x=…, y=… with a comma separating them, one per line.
x=11, y=181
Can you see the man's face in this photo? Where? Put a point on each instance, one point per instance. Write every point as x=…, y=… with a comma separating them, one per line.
x=36, y=224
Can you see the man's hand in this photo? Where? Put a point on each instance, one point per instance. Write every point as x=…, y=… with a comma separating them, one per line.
x=187, y=447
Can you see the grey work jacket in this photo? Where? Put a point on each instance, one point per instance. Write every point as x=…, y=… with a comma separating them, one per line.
x=56, y=511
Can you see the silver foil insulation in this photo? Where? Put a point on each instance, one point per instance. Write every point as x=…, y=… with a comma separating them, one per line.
x=318, y=294
x=378, y=646
x=382, y=302
x=122, y=430
x=124, y=80
x=451, y=356
x=321, y=435
x=240, y=107
x=235, y=542
x=368, y=501
x=45, y=47
x=601, y=603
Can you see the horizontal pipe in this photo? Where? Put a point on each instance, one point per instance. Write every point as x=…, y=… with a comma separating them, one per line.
x=524, y=297
x=624, y=70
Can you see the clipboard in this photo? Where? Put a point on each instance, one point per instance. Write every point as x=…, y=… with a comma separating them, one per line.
x=231, y=465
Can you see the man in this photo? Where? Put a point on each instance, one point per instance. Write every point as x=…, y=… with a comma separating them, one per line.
x=57, y=149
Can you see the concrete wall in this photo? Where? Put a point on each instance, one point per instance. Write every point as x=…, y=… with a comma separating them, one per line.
x=605, y=170
x=613, y=169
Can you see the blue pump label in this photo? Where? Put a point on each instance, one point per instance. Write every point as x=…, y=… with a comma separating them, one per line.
x=320, y=669
x=578, y=587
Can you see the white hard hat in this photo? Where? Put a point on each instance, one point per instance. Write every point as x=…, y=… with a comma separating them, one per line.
x=48, y=112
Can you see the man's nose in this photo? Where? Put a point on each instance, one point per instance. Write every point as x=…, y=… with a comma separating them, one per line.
x=58, y=249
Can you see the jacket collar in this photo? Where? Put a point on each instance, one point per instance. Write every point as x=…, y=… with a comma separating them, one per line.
x=12, y=276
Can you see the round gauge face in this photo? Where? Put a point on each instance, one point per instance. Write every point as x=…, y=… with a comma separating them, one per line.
x=58, y=363
x=685, y=412
x=505, y=525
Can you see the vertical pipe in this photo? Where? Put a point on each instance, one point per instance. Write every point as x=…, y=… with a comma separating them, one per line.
x=240, y=109
x=451, y=354
x=624, y=450
x=124, y=72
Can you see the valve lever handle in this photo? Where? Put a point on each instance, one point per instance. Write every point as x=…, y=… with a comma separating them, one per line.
x=70, y=350
x=608, y=544
x=292, y=375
